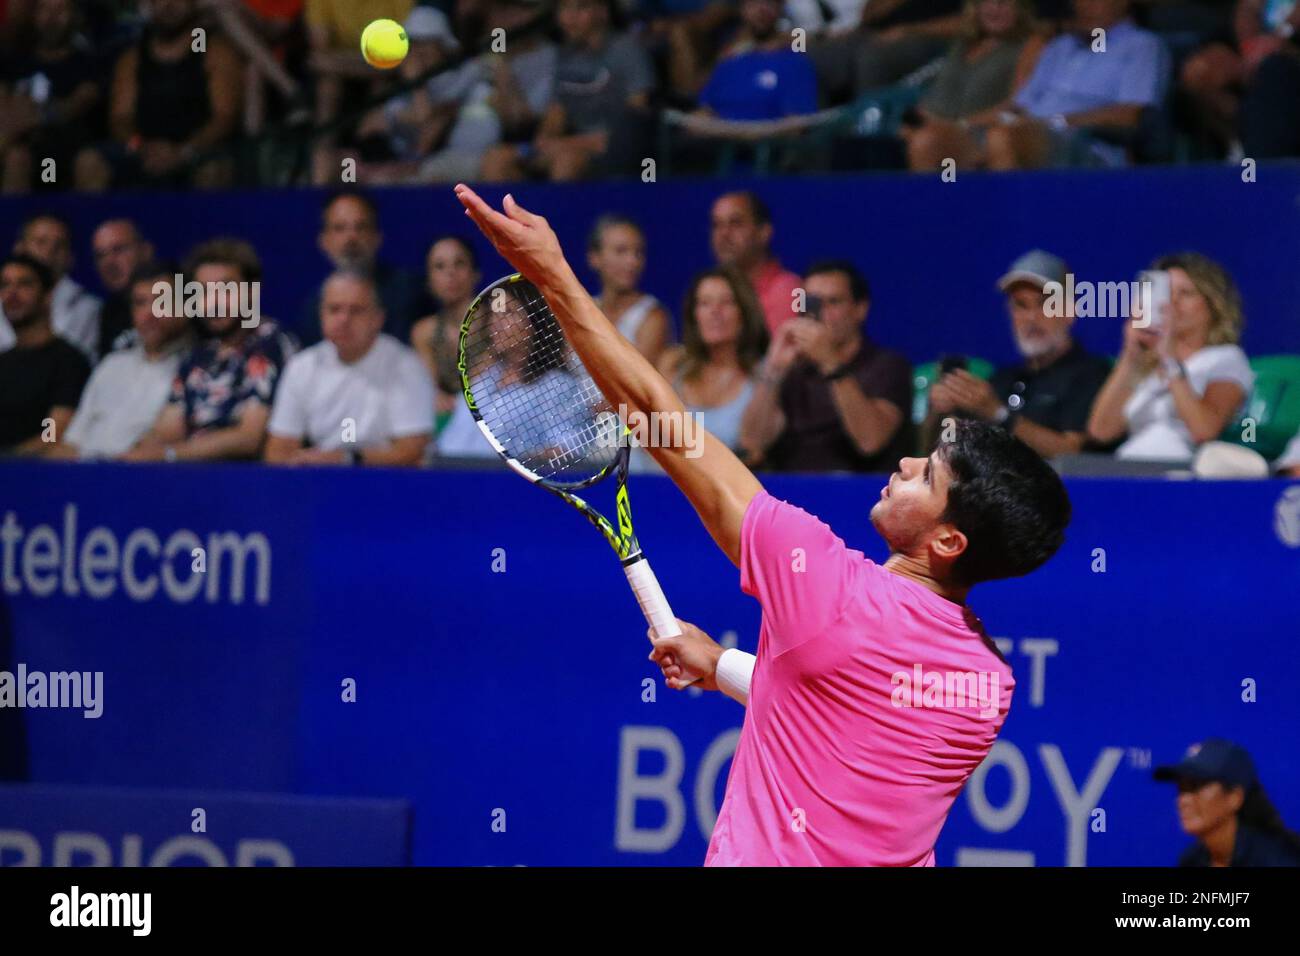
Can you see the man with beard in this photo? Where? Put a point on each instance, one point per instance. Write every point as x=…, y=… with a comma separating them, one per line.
x=119, y=250
x=42, y=376
x=74, y=312
x=170, y=106
x=221, y=398
x=350, y=238
x=1044, y=401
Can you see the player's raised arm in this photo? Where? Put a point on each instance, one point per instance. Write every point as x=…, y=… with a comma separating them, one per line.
x=715, y=481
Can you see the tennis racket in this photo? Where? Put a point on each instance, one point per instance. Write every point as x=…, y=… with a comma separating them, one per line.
x=538, y=407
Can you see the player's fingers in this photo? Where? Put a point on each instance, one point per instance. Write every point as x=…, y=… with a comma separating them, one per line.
x=518, y=212
x=487, y=218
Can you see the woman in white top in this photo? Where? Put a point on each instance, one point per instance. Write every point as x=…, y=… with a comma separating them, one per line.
x=724, y=336
x=616, y=253
x=1174, y=389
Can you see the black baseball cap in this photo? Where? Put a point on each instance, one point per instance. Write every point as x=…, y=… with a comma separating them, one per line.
x=1212, y=759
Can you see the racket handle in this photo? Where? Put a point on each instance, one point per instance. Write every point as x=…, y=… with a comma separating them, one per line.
x=650, y=596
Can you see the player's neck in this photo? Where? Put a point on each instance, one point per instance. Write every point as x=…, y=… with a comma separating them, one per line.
x=906, y=566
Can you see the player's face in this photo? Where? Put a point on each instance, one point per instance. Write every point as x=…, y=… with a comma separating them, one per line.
x=20, y=294
x=717, y=314
x=760, y=17
x=350, y=317
x=912, y=504
x=1204, y=806
x=737, y=238
x=350, y=237
x=620, y=260
x=452, y=278
x=1036, y=332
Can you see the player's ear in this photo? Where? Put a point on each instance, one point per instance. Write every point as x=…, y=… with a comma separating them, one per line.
x=948, y=543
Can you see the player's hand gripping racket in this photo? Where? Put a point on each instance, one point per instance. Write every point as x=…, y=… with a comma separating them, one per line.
x=539, y=408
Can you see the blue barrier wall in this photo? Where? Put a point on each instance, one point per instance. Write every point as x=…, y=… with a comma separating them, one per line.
x=933, y=250
x=516, y=696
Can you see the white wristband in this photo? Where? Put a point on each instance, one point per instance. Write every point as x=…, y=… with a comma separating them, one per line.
x=734, y=673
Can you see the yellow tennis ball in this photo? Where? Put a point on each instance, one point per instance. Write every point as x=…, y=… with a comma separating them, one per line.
x=384, y=44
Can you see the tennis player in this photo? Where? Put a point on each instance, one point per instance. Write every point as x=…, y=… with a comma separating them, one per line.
x=875, y=691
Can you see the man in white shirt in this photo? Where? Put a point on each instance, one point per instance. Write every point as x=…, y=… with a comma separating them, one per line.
x=74, y=312
x=359, y=396
x=129, y=388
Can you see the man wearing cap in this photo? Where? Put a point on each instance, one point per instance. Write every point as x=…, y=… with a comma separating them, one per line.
x=1221, y=803
x=1045, y=400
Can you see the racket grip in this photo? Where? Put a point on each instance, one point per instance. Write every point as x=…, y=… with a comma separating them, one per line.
x=650, y=596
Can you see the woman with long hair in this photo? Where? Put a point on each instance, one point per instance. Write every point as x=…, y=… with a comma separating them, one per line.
x=724, y=336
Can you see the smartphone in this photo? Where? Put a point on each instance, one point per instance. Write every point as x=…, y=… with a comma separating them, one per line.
x=812, y=307
x=950, y=363
x=1153, y=299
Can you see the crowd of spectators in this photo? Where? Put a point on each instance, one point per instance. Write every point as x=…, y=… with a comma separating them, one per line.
x=176, y=362
x=98, y=94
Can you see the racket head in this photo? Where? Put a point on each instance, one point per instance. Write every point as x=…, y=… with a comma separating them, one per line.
x=532, y=398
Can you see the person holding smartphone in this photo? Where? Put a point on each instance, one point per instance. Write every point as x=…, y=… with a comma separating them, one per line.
x=828, y=398
x=1181, y=378
x=1045, y=398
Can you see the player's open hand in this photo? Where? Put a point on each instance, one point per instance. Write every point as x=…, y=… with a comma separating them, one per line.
x=524, y=240
x=687, y=659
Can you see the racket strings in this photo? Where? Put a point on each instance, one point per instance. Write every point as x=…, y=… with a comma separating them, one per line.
x=532, y=392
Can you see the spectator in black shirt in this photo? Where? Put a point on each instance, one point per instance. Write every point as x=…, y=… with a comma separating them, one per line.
x=170, y=107
x=42, y=376
x=1044, y=401
x=48, y=99
x=1222, y=805
x=119, y=250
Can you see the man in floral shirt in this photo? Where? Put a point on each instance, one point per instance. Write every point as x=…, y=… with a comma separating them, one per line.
x=221, y=398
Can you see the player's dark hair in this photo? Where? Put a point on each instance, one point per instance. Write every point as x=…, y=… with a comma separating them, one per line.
x=470, y=252
x=607, y=221
x=43, y=274
x=356, y=194
x=859, y=287
x=1010, y=504
x=226, y=251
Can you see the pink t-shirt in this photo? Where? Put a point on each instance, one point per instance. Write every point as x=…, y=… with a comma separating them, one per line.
x=872, y=700
x=775, y=289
